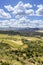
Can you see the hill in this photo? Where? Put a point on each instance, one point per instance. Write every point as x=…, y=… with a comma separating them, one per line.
x=21, y=48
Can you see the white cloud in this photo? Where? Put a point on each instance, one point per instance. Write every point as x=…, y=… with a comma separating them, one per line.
x=28, y=5
x=29, y=12
x=39, y=11
x=3, y=14
x=9, y=7
x=40, y=6
x=19, y=5
x=20, y=9
x=22, y=22
x=21, y=13
x=34, y=5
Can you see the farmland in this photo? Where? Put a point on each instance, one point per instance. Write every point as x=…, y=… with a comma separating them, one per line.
x=21, y=48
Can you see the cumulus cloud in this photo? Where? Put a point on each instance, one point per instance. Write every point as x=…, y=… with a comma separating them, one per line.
x=40, y=6
x=39, y=11
x=25, y=9
x=22, y=22
x=21, y=13
x=9, y=7
x=20, y=8
x=29, y=12
x=28, y=5
x=3, y=14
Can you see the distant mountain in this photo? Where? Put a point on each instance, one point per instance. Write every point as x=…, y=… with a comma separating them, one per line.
x=18, y=29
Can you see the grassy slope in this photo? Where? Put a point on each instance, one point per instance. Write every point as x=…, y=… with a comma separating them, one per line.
x=10, y=43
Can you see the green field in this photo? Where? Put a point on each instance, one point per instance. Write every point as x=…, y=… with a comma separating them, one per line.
x=21, y=50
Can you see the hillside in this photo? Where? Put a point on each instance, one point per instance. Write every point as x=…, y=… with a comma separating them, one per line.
x=21, y=48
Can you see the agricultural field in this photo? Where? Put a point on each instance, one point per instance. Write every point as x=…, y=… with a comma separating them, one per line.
x=16, y=49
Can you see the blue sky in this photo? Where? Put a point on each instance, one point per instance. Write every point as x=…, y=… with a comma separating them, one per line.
x=21, y=13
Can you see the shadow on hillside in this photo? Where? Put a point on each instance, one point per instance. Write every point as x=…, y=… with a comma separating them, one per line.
x=25, y=41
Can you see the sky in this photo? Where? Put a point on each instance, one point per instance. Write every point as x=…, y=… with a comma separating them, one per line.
x=21, y=13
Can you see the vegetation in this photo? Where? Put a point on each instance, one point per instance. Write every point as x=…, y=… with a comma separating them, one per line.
x=19, y=49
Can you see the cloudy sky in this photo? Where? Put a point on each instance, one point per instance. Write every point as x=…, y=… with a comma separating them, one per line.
x=21, y=13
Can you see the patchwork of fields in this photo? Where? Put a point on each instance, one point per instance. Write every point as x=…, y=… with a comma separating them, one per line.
x=21, y=50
